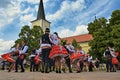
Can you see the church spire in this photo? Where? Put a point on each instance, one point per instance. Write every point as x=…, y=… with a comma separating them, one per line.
x=41, y=14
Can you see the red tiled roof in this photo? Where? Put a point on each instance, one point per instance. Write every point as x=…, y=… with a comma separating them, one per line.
x=79, y=38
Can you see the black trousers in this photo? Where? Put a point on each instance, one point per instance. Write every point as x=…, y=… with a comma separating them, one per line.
x=108, y=65
x=81, y=65
x=19, y=61
x=32, y=65
x=45, y=59
x=67, y=59
x=90, y=67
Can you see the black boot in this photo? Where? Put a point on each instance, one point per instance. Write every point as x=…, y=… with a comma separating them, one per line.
x=59, y=70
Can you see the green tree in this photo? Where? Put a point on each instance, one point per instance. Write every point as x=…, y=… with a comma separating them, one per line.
x=104, y=34
x=36, y=34
x=63, y=42
x=74, y=43
x=32, y=36
x=115, y=18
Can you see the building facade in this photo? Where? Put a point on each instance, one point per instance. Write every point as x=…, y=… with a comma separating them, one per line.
x=82, y=40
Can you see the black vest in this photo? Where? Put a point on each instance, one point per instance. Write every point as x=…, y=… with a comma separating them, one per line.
x=23, y=48
x=45, y=39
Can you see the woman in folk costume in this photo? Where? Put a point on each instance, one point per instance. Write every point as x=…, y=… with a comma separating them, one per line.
x=38, y=59
x=57, y=51
x=114, y=59
x=76, y=58
x=11, y=56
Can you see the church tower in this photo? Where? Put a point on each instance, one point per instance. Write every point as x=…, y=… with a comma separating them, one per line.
x=41, y=20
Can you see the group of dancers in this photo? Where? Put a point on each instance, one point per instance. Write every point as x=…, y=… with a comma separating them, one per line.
x=110, y=56
x=16, y=56
x=50, y=54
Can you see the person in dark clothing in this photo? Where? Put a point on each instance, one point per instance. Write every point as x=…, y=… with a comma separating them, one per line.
x=46, y=47
x=97, y=62
x=108, y=59
x=32, y=61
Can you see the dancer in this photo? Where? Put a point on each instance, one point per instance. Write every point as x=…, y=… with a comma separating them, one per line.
x=90, y=64
x=57, y=51
x=76, y=58
x=32, y=61
x=70, y=50
x=11, y=56
x=46, y=47
x=114, y=59
x=82, y=61
x=22, y=54
x=108, y=58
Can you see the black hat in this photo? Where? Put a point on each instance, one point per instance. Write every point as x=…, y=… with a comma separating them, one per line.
x=47, y=30
x=56, y=33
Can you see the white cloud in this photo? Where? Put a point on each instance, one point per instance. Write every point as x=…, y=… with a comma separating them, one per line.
x=80, y=29
x=8, y=14
x=66, y=7
x=5, y=45
x=97, y=8
x=33, y=1
x=26, y=19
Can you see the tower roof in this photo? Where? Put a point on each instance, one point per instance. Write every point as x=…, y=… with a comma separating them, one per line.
x=41, y=14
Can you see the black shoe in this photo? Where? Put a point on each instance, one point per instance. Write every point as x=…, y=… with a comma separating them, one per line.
x=42, y=71
x=46, y=72
x=9, y=70
x=78, y=71
x=56, y=71
x=59, y=71
x=70, y=72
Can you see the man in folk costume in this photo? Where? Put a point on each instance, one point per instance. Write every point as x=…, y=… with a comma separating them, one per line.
x=46, y=47
x=82, y=61
x=90, y=64
x=108, y=59
x=57, y=52
x=32, y=61
x=70, y=49
x=22, y=53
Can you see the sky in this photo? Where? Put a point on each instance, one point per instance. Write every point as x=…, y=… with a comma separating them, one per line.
x=67, y=17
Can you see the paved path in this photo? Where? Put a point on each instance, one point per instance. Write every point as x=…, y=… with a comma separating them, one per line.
x=101, y=75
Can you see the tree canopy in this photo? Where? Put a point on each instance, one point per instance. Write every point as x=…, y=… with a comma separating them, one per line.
x=105, y=33
x=31, y=35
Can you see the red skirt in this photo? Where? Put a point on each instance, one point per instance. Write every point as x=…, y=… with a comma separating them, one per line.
x=117, y=53
x=115, y=60
x=37, y=60
x=58, y=51
x=7, y=57
x=76, y=56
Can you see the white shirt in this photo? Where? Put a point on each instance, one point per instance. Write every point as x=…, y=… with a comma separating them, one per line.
x=113, y=54
x=82, y=51
x=90, y=59
x=39, y=51
x=11, y=50
x=71, y=48
x=24, y=50
x=54, y=39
